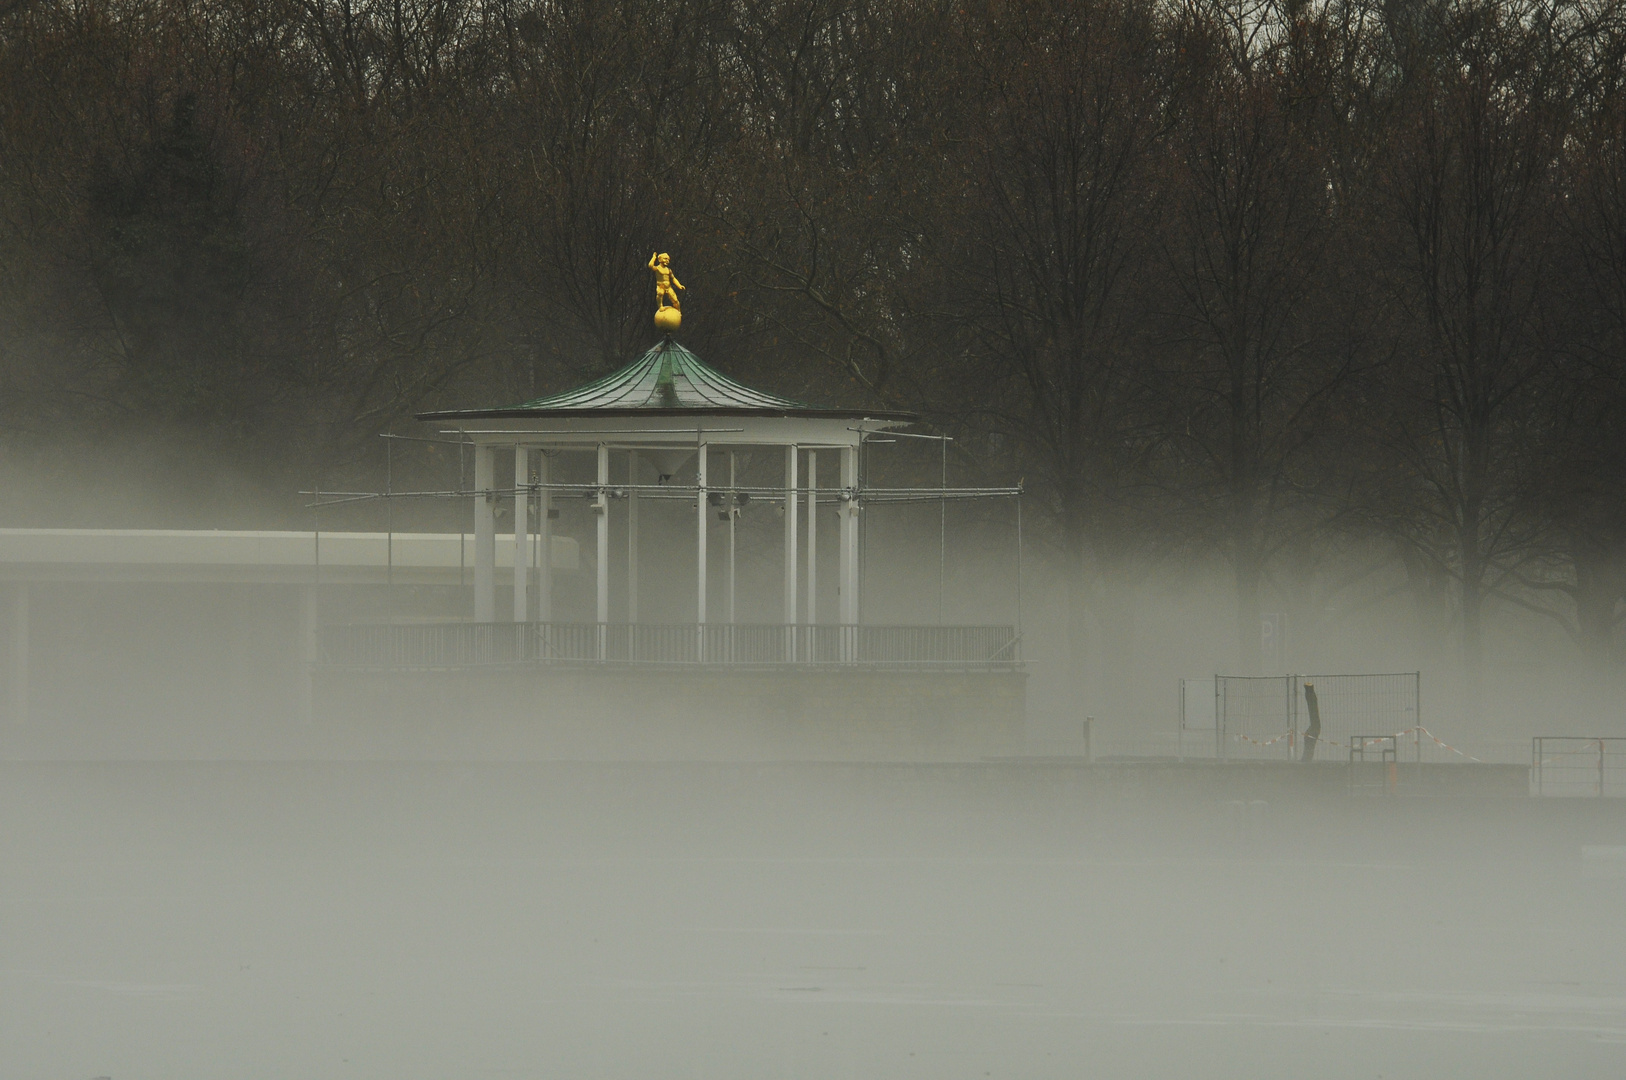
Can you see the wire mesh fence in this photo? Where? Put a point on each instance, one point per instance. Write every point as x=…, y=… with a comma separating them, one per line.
x=1351, y=705
x=1271, y=717
x=1575, y=766
x=1256, y=717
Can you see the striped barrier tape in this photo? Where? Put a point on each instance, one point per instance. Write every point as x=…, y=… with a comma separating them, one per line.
x=1590, y=756
x=1438, y=742
x=1268, y=742
x=1365, y=742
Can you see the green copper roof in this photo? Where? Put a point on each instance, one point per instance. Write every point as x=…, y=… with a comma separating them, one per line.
x=666, y=377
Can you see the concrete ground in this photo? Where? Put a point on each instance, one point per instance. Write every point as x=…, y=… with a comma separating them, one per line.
x=165, y=921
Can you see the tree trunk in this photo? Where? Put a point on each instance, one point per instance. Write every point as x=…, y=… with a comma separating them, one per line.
x=1473, y=597
x=1430, y=601
x=1600, y=586
x=1247, y=564
x=1249, y=618
x=1078, y=632
x=1115, y=630
x=1312, y=733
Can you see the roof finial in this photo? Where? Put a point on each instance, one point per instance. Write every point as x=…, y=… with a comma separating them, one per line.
x=667, y=318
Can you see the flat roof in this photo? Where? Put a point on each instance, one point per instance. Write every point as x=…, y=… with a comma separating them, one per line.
x=205, y=555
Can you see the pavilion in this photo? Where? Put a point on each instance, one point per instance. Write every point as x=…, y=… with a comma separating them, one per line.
x=668, y=431
x=671, y=426
x=665, y=410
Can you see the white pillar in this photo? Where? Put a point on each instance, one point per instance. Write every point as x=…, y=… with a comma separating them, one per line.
x=812, y=536
x=522, y=532
x=602, y=505
x=731, y=507
x=849, y=536
x=307, y=648
x=485, y=535
x=17, y=652
x=544, y=529
x=701, y=510
x=790, y=535
x=632, y=536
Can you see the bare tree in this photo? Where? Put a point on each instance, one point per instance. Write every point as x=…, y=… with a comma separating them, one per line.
x=1252, y=315
x=829, y=206
x=1476, y=131
x=1584, y=445
x=1062, y=195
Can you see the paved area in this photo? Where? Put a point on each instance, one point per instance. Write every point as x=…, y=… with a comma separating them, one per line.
x=361, y=920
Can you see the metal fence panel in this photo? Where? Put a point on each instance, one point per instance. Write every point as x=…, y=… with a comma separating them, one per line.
x=1578, y=767
x=1365, y=705
x=1266, y=717
x=1257, y=716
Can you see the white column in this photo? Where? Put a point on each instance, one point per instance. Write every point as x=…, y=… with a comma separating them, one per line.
x=602, y=504
x=812, y=536
x=17, y=600
x=544, y=529
x=790, y=535
x=731, y=507
x=701, y=510
x=522, y=532
x=485, y=535
x=308, y=613
x=632, y=536
x=849, y=536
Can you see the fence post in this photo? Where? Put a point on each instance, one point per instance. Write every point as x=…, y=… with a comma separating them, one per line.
x=1089, y=747
x=1292, y=715
x=1180, y=726
x=1417, y=720
x=1600, y=768
x=307, y=631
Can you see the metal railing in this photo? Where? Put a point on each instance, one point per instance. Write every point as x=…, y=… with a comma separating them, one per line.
x=1374, y=763
x=456, y=645
x=1577, y=766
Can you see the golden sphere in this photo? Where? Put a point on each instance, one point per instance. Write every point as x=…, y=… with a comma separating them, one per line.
x=668, y=319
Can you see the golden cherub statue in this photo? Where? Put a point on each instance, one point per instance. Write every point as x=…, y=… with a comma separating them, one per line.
x=667, y=318
x=665, y=280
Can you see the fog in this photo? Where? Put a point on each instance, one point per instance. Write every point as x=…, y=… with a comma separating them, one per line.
x=570, y=919
x=1218, y=735
x=187, y=668
x=201, y=879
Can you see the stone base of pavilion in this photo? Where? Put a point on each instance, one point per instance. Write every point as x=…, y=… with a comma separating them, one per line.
x=539, y=691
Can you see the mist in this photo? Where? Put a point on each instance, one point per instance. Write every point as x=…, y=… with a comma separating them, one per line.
x=515, y=874
x=538, y=919
x=1114, y=567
